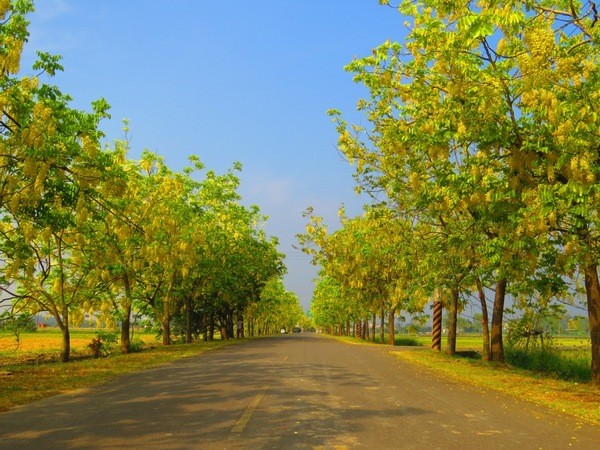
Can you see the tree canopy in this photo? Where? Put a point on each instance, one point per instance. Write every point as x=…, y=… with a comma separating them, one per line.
x=85, y=231
x=482, y=136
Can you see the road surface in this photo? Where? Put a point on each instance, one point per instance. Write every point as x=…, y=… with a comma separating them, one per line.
x=292, y=391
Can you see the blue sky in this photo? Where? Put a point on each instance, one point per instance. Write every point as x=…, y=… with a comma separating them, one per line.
x=246, y=81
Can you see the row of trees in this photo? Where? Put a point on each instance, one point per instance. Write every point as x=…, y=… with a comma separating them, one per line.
x=85, y=230
x=483, y=161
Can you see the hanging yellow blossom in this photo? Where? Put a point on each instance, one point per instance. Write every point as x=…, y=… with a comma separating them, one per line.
x=4, y=5
x=10, y=58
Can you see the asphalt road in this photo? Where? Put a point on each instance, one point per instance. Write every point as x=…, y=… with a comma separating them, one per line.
x=293, y=391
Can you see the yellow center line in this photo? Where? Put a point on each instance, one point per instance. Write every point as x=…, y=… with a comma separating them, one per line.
x=245, y=418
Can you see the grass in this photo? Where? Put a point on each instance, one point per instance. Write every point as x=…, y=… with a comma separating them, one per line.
x=573, y=397
x=25, y=377
x=566, y=365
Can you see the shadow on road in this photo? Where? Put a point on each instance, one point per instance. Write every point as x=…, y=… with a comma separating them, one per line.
x=197, y=401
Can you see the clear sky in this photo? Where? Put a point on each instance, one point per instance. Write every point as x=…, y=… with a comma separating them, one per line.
x=246, y=81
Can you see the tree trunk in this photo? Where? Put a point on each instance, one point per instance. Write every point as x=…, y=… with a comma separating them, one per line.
x=65, y=347
x=63, y=322
x=592, y=290
x=366, y=330
x=373, y=327
x=485, y=324
x=211, y=328
x=436, y=330
x=229, y=325
x=188, y=320
x=126, y=322
x=382, y=326
x=453, y=315
x=166, y=316
x=497, y=345
x=166, y=332
x=240, y=327
x=125, y=329
x=391, y=333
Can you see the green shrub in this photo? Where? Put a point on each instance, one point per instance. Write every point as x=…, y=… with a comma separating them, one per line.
x=399, y=340
x=17, y=323
x=407, y=341
x=103, y=344
x=136, y=345
x=96, y=347
x=109, y=338
x=550, y=360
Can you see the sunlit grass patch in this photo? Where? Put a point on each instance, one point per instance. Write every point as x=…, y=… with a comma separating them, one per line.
x=411, y=340
x=350, y=339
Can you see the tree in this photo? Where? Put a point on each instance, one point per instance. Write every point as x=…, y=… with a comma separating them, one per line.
x=167, y=249
x=84, y=230
x=325, y=305
x=51, y=161
x=276, y=309
x=118, y=236
x=476, y=110
x=372, y=259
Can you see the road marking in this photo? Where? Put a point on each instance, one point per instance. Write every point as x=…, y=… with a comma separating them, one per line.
x=335, y=447
x=245, y=418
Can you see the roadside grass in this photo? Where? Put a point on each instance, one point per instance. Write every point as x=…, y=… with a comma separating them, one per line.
x=407, y=341
x=579, y=399
x=25, y=378
x=566, y=365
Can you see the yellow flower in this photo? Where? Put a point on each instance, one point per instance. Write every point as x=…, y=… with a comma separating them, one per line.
x=4, y=4
x=10, y=59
